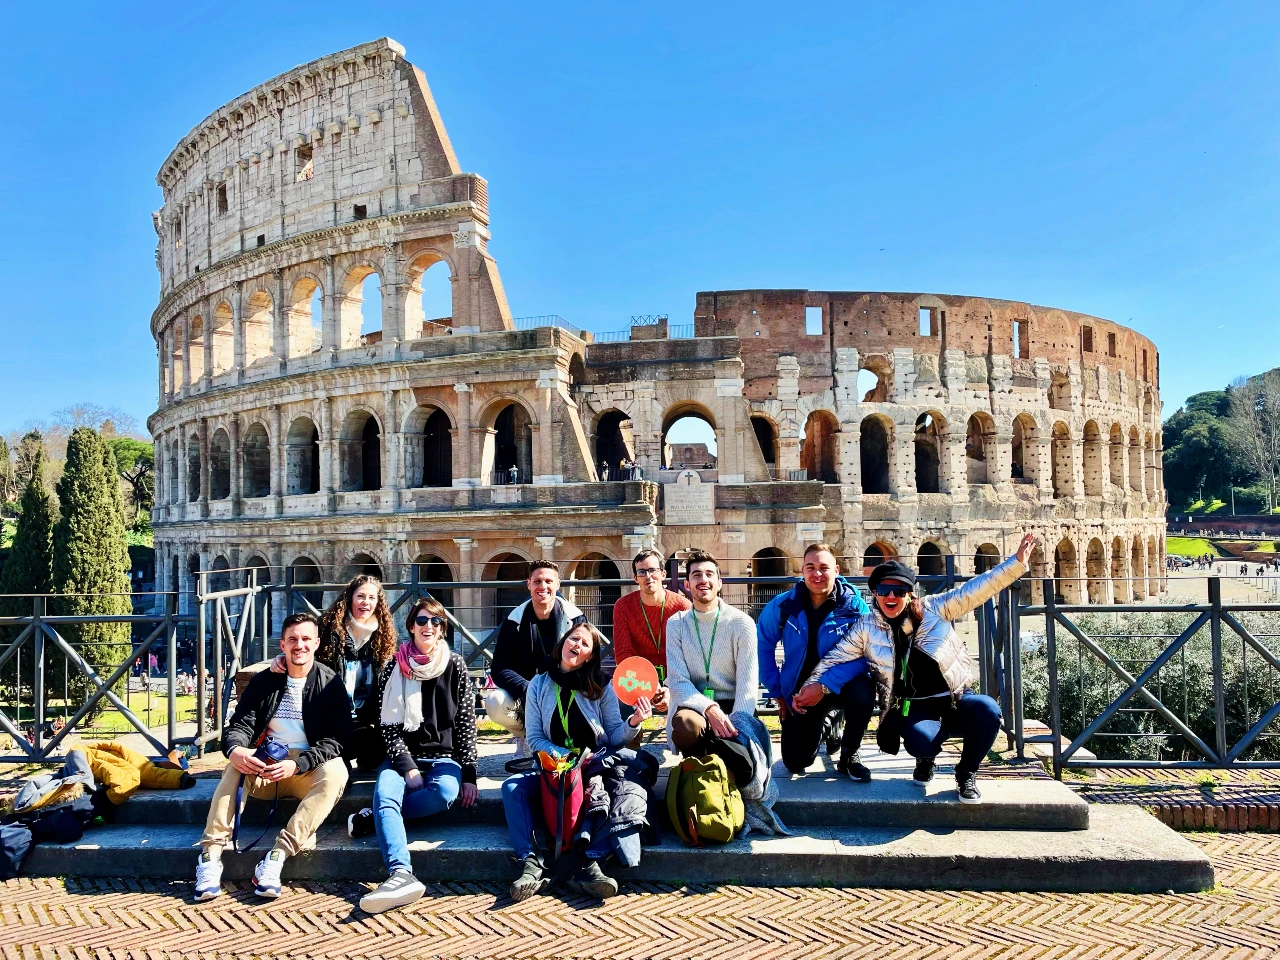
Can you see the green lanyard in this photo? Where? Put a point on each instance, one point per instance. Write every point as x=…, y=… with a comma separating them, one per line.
x=906, y=704
x=563, y=711
x=657, y=641
x=707, y=651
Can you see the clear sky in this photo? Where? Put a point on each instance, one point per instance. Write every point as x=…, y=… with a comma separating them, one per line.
x=1116, y=159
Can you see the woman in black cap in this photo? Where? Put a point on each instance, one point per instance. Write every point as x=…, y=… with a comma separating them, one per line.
x=922, y=667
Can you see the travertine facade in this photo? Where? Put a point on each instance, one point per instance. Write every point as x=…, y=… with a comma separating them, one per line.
x=287, y=438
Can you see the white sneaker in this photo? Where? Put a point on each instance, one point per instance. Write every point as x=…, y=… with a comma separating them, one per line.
x=398, y=890
x=266, y=875
x=208, y=877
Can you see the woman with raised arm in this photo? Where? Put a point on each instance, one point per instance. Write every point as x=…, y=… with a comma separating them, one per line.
x=922, y=667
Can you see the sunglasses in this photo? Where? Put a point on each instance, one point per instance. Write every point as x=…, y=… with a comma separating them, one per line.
x=422, y=620
x=891, y=590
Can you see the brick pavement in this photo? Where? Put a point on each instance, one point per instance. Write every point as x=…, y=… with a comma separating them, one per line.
x=122, y=920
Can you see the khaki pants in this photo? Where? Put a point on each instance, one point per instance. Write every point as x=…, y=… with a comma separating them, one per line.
x=502, y=709
x=318, y=790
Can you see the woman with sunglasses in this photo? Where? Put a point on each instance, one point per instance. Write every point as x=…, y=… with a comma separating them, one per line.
x=569, y=708
x=922, y=667
x=427, y=711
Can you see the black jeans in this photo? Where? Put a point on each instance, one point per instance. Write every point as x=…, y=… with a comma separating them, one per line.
x=975, y=719
x=802, y=732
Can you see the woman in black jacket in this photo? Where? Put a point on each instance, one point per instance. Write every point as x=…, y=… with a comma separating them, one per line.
x=427, y=716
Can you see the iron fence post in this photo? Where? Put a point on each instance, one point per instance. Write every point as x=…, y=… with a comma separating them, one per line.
x=37, y=672
x=288, y=591
x=201, y=670
x=171, y=655
x=1219, y=687
x=1051, y=652
x=1015, y=667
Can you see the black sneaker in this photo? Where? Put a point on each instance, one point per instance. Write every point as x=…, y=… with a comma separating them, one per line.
x=360, y=824
x=530, y=881
x=852, y=767
x=593, y=882
x=833, y=729
x=924, y=772
x=967, y=786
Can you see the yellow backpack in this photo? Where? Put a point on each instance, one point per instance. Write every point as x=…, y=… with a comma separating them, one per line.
x=702, y=801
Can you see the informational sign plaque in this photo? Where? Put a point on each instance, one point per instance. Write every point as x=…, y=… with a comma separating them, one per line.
x=689, y=501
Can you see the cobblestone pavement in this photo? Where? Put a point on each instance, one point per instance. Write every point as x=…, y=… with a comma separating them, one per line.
x=81, y=919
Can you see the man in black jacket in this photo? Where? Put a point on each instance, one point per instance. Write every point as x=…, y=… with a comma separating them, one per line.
x=306, y=709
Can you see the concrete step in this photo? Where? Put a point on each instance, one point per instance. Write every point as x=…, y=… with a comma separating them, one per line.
x=1123, y=848
x=818, y=798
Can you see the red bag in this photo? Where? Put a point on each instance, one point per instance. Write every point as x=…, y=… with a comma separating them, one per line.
x=562, y=796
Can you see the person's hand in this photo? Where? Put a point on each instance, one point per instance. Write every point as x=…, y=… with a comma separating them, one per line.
x=782, y=708
x=660, y=700
x=720, y=725
x=643, y=711
x=1025, y=547
x=413, y=780
x=810, y=695
x=277, y=664
x=469, y=795
x=242, y=759
x=281, y=770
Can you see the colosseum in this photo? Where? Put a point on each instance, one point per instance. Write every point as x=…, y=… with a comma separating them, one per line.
x=302, y=430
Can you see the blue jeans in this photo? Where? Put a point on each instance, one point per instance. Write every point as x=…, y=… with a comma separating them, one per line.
x=441, y=783
x=975, y=719
x=522, y=804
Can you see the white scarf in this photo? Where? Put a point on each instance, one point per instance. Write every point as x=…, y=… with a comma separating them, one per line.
x=402, y=699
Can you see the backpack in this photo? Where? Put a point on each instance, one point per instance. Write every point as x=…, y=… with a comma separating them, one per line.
x=703, y=803
x=561, y=788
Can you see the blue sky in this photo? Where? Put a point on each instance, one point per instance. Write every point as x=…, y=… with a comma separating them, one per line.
x=1119, y=159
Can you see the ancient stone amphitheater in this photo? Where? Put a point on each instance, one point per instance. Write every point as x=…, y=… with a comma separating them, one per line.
x=301, y=431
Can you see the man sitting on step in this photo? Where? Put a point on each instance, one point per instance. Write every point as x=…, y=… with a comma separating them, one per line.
x=305, y=709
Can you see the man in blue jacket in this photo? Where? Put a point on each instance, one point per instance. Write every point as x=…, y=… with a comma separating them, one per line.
x=808, y=621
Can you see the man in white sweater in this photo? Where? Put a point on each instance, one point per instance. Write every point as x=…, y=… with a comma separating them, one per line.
x=712, y=670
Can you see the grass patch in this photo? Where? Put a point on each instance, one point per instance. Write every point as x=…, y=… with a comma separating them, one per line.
x=1190, y=547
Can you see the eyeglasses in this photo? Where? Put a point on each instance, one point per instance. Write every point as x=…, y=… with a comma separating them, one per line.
x=422, y=620
x=891, y=590
x=649, y=572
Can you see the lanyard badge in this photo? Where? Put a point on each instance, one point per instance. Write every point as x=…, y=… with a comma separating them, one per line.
x=707, y=651
x=563, y=711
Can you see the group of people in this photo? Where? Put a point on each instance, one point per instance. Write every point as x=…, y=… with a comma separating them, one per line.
x=346, y=691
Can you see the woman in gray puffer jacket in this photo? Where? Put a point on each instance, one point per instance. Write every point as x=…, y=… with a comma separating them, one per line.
x=922, y=667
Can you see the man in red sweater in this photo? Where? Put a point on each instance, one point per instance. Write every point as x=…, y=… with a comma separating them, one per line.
x=640, y=619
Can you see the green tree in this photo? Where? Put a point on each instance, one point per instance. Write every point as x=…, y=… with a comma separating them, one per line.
x=136, y=462
x=28, y=569
x=90, y=554
x=8, y=487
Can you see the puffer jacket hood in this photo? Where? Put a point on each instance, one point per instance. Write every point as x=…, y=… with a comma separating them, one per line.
x=871, y=635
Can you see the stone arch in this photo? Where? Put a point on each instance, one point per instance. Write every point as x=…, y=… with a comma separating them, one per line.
x=1119, y=571
x=767, y=562
x=173, y=473
x=615, y=442
x=1039, y=573
x=1093, y=466
x=1116, y=435
x=875, y=446
x=980, y=448
x=257, y=565
x=596, y=601
x=1149, y=462
x=1066, y=573
x=577, y=372
x=819, y=455
x=1138, y=566
x=306, y=571
x=433, y=568
x=255, y=461
x=360, y=451
x=357, y=324
x=363, y=563
x=219, y=578
x=686, y=410
x=499, y=601
x=876, y=554
x=1095, y=567
x=428, y=447
x=931, y=452
x=1135, y=461
x=222, y=333
x=766, y=433
x=881, y=368
x=985, y=558
x=1063, y=485
x=1024, y=463
x=432, y=281
x=507, y=452
x=195, y=348
x=302, y=457
x=219, y=465
x=931, y=560
x=257, y=323
x=305, y=322
x=194, y=468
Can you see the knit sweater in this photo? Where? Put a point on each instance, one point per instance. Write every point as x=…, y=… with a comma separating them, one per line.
x=633, y=621
x=733, y=674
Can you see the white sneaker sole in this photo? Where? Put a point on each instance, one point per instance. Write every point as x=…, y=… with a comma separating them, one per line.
x=371, y=904
x=270, y=893
x=203, y=895
x=971, y=801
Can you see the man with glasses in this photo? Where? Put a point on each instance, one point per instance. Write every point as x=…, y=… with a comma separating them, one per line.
x=808, y=621
x=711, y=670
x=640, y=619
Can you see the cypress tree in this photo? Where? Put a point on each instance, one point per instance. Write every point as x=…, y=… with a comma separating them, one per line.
x=29, y=569
x=91, y=555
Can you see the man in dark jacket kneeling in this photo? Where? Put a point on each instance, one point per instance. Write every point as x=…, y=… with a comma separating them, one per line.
x=305, y=709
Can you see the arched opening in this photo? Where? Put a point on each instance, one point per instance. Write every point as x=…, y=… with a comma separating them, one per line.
x=302, y=457
x=174, y=345
x=510, y=446
x=593, y=600
x=428, y=448
x=980, y=449
x=1117, y=456
x=222, y=332
x=1095, y=567
x=360, y=452
x=875, y=555
x=193, y=469
x=1062, y=486
x=1023, y=465
x=500, y=601
x=220, y=577
x=1093, y=467
x=769, y=562
x=1148, y=458
x=195, y=348
x=258, y=571
x=306, y=571
x=930, y=446
x=873, y=447
x=615, y=444
x=930, y=562
x=688, y=439
x=219, y=465
x=872, y=385
x=362, y=564
x=1039, y=573
x=818, y=454
x=173, y=474
x=577, y=373
x=1135, y=461
x=255, y=461
x=434, y=569
x=985, y=558
x=1119, y=575
x=257, y=328
x=1066, y=576
x=306, y=317
x=1153, y=567
x=767, y=439
x=370, y=305
x=1138, y=564
x=429, y=304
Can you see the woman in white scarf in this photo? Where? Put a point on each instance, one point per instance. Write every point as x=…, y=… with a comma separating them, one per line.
x=427, y=711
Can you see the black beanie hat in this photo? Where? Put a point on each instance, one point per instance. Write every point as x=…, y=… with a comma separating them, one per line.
x=891, y=570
